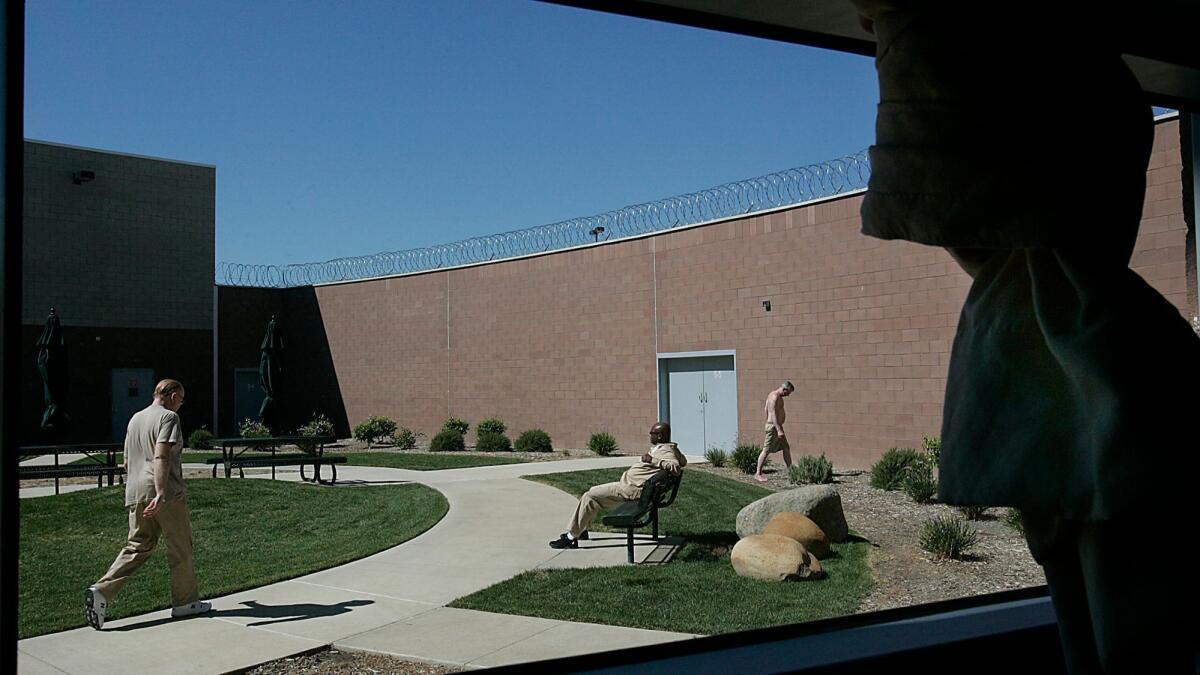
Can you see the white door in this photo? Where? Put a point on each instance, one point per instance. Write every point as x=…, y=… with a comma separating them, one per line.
x=720, y=403
x=700, y=393
x=685, y=386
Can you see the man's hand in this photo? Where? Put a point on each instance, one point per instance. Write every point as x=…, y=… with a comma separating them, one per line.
x=151, y=508
x=647, y=458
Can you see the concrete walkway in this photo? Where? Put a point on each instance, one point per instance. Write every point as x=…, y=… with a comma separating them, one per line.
x=392, y=602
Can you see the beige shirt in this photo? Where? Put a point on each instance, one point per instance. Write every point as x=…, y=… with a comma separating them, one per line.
x=147, y=428
x=662, y=456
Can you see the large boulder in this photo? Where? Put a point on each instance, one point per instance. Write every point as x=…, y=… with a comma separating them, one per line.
x=821, y=503
x=773, y=557
x=801, y=528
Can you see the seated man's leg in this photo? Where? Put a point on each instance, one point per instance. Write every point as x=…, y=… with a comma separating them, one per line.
x=597, y=498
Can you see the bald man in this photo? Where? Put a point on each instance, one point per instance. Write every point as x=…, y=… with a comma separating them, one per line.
x=663, y=455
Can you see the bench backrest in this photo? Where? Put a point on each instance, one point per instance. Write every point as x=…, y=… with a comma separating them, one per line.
x=660, y=489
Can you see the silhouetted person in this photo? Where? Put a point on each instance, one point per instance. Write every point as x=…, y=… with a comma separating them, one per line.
x=1058, y=397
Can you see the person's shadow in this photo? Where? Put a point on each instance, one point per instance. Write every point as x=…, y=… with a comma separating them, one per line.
x=275, y=613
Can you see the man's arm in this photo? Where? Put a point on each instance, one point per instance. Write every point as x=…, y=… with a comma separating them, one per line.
x=162, y=466
x=776, y=408
x=673, y=464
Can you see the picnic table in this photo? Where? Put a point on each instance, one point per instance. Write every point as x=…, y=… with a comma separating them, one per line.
x=100, y=460
x=240, y=453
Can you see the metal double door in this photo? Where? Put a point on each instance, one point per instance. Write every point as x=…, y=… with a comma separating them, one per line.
x=702, y=394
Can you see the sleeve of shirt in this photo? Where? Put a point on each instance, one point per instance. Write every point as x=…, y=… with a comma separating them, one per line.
x=168, y=429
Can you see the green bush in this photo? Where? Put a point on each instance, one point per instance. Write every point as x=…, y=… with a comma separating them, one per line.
x=447, y=440
x=745, y=457
x=405, y=438
x=492, y=442
x=888, y=473
x=811, y=469
x=947, y=537
x=456, y=424
x=932, y=445
x=973, y=512
x=1013, y=519
x=318, y=426
x=200, y=439
x=489, y=426
x=603, y=444
x=374, y=428
x=250, y=428
x=534, y=440
x=919, y=482
x=716, y=456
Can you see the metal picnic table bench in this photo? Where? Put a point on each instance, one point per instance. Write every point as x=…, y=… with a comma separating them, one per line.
x=234, y=455
x=101, y=461
x=658, y=492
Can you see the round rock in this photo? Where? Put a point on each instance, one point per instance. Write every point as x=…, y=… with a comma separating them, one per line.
x=821, y=503
x=772, y=557
x=801, y=528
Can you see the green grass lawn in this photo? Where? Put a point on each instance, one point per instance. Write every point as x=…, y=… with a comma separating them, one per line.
x=247, y=533
x=698, y=592
x=426, y=461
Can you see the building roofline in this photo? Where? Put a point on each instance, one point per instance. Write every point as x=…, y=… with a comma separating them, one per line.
x=120, y=154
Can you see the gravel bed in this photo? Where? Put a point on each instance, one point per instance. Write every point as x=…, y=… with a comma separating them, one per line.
x=333, y=662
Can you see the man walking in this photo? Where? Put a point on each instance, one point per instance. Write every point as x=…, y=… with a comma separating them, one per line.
x=663, y=455
x=775, y=439
x=155, y=497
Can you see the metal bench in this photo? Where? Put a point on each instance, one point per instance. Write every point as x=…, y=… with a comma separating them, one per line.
x=234, y=455
x=100, y=460
x=658, y=492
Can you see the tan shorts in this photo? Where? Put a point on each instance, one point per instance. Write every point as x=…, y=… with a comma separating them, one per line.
x=773, y=442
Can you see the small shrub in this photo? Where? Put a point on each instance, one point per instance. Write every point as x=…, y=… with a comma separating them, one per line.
x=932, y=445
x=200, y=439
x=947, y=537
x=251, y=428
x=745, y=457
x=447, y=440
x=811, y=469
x=888, y=473
x=602, y=444
x=405, y=438
x=492, y=442
x=919, y=482
x=488, y=426
x=973, y=512
x=318, y=426
x=457, y=424
x=375, y=428
x=1013, y=519
x=534, y=440
x=716, y=456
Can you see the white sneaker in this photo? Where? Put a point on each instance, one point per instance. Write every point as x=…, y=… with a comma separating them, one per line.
x=94, y=607
x=198, y=607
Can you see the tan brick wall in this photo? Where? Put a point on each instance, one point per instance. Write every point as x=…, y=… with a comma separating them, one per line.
x=567, y=341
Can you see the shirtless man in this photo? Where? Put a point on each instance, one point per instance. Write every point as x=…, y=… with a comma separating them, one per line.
x=775, y=439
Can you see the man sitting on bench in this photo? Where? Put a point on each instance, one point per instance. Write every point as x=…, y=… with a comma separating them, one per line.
x=663, y=455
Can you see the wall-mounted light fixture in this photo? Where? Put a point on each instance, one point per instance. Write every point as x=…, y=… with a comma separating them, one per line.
x=596, y=232
x=81, y=177
x=766, y=305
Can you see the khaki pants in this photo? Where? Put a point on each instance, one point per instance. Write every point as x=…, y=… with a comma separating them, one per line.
x=600, y=497
x=172, y=522
x=772, y=443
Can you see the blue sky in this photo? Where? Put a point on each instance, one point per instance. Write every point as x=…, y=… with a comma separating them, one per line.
x=348, y=128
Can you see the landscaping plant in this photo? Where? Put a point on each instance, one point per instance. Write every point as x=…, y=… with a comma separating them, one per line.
x=318, y=426
x=405, y=438
x=745, y=457
x=811, y=469
x=1012, y=518
x=200, y=439
x=488, y=441
x=459, y=425
x=947, y=537
x=603, y=444
x=489, y=426
x=932, y=445
x=250, y=428
x=888, y=473
x=716, y=456
x=534, y=440
x=374, y=428
x=447, y=440
x=973, y=512
x=919, y=482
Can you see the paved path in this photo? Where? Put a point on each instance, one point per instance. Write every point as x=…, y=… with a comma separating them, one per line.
x=392, y=602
